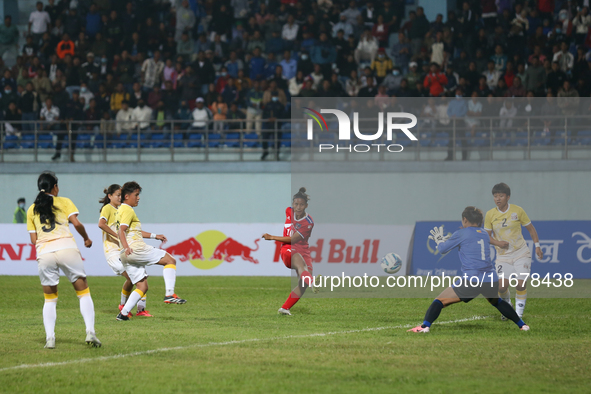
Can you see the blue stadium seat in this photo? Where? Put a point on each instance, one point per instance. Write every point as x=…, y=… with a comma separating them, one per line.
x=28, y=141
x=178, y=140
x=83, y=141
x=327, y=138
x=584, y=137
x=441, y=140
x=251, y=140
x=286, y=139
x=45, y=141
x=10, y=142
x=402, y=139
x=541, y=138
x=501, y=139
x=119, y=141
x=99, y=141
x=214, y=140
x=159, y=140
x=195, y=140
x=559, y=138
x=232, y=140
x=520, y=138
x=424, y=138
x=145, y=140
x=481, y=139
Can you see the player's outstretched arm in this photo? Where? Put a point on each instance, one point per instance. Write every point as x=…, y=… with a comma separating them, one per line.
x=286, y=240
x=534, y=236
x=159, y=237
x=81, y=230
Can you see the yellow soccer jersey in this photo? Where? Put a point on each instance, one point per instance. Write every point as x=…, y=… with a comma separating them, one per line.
x=506, y=226
x=126, y=215
x=51, y=238
x=110, y=244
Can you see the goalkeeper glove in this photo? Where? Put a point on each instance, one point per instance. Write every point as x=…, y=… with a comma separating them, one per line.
x=438, y=235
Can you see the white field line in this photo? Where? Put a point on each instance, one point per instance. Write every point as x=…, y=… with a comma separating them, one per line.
x=210, y=344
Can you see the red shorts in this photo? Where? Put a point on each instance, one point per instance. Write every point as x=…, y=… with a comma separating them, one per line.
x=286, y=253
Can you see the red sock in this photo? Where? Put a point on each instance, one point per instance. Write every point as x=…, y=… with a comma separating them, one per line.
x=291, y=300
x=307, y=279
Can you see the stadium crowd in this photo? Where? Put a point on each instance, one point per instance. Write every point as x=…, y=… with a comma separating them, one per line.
x=144, y=63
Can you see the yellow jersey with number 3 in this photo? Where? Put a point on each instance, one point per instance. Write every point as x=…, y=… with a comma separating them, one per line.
x=51, y=238
x=506, y=226
x=133, y=233
x=110, y=244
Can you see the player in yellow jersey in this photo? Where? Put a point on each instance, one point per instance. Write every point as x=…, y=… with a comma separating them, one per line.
x=136, y=254
x=503, y=224
x=108, y=223
x=48, y=225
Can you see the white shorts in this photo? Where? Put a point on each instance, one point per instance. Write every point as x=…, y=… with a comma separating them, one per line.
x=518, y=264
x=135, y=264
x=70, y=262
x=114, y=261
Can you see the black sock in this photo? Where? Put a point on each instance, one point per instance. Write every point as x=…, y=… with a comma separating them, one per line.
x=432, y=313
x=507, y=310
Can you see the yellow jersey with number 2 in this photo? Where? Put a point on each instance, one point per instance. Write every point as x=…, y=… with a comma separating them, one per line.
x=51, y=238
x=506, y=226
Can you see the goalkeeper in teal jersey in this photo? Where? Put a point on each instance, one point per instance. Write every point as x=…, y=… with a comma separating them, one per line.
x=479, y=275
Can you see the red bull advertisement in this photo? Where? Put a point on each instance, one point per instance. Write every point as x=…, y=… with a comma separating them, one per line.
x=226, y=249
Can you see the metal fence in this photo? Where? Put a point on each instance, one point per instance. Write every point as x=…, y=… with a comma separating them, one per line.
x=241, y=140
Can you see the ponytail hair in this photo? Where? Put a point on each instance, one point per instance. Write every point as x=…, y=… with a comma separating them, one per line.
x=110, y=190
x=473, y=215
x=44, y=202
x=302, y=194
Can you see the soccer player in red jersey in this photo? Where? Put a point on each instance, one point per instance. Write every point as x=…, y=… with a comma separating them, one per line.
x=295, y=251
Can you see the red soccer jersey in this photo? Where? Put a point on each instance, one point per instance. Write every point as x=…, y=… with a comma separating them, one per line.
x=302, y=226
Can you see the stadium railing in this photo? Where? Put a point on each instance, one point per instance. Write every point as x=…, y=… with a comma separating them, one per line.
x=492, y=138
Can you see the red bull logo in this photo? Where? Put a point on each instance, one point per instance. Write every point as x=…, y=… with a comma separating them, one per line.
x=210, y=249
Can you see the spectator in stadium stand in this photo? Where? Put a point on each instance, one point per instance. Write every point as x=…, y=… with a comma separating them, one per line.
x=8, y=96
x=323, y=53
x=125, y=119
x=367, y=49
x=142, y=114
x=201, y=115
x=289, y=66
x=381, y=65
x=273, y=110
x=8, y=37
x=370, y=90
x=235, y=114
x=564, y=58
x=555, y=79
x=39, y=23
x=343, y=25
x=93, y=21
x=65, y=47
x=185, y=19
x=151, y=71
x=435, y=80
x=205, y=71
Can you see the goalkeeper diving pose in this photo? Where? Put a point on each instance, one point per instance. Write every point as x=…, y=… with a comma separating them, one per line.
x=479, y=275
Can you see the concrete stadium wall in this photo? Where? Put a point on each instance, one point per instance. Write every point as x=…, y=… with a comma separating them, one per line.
x=371, y=193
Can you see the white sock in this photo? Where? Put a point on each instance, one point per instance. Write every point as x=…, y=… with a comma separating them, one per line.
x=141, y=305
x=520, y=299
x=49, y=317
x=124, y=296
x=169, y=274
x=87, y=311
x=133, y=299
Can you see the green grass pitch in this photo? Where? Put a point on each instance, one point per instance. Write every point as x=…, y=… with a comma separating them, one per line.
x=229, y=338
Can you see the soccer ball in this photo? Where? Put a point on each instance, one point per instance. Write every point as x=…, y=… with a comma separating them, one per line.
x=391, y=263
